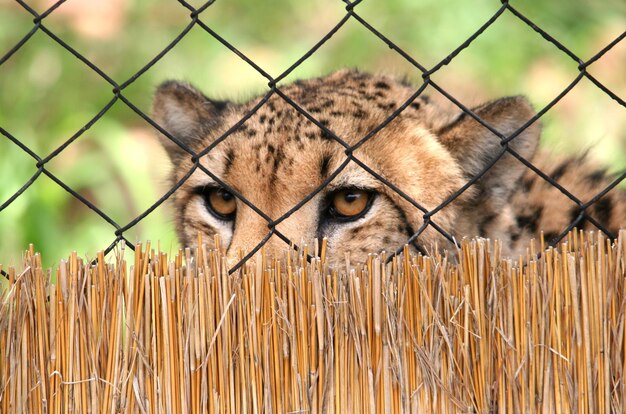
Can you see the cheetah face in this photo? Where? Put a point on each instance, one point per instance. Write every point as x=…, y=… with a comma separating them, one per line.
x=280, y=176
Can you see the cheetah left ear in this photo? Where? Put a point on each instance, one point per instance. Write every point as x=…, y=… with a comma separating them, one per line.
x=475, y=147
x=185, y=113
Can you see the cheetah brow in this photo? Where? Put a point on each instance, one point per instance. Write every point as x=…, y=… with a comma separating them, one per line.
x=201, y=189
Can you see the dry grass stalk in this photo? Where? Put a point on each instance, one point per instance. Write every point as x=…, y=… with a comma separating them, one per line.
x=477, y=333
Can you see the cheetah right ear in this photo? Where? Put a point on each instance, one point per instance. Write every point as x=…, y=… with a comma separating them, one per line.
x=475, y=147
x=186, y=114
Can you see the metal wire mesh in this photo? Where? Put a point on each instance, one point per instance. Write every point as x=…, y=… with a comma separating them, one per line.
x=351, y=13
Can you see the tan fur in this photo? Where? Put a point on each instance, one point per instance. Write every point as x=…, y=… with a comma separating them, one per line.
x=279, y=157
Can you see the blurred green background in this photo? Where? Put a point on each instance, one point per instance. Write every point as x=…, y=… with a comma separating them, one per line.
x=47, y=95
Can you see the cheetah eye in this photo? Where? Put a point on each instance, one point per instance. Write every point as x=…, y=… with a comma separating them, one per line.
x=220, y=202
x=349, y=203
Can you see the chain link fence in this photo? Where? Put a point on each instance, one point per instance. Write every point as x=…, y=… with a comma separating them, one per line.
x=119, y=230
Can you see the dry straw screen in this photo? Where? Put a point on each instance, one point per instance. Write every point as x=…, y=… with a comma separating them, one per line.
x=122, y=90
x=419, y=334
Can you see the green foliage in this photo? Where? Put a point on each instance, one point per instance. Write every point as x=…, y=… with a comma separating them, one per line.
x=47, y=95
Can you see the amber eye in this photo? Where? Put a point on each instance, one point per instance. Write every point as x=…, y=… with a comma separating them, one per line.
x=221, y=202
x=349, y=203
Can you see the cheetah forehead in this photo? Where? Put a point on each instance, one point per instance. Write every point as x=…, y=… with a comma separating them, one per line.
x=347, y=105
x=320, y=118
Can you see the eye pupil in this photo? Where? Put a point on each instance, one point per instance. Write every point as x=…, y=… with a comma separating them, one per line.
x=352, y=197
x=349, y=203
x=225, y=194
x=221, y=202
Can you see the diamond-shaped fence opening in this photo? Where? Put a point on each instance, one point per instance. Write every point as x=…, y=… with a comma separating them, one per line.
x=424, y=75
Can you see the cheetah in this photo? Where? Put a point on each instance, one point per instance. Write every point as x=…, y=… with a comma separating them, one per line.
x=381, y=190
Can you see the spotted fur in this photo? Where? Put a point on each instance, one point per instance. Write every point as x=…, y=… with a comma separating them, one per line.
x=278, y=157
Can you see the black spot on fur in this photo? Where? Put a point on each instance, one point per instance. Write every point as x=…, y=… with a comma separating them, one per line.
x=603, y=209
x=262, y=118
x=356, y=104
x=326, y=136
x=530, y=221
x=229, y=158
x=560, y=170
x=327, y=103
x=359, y=114
x=515, y=236
x=386, y=106
x=279, y=157
x=597, y=176
x=337, y=113
x=381, y=85
x=315, y=110
x=325, y=162
x=415, y=105
x=272, y=180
